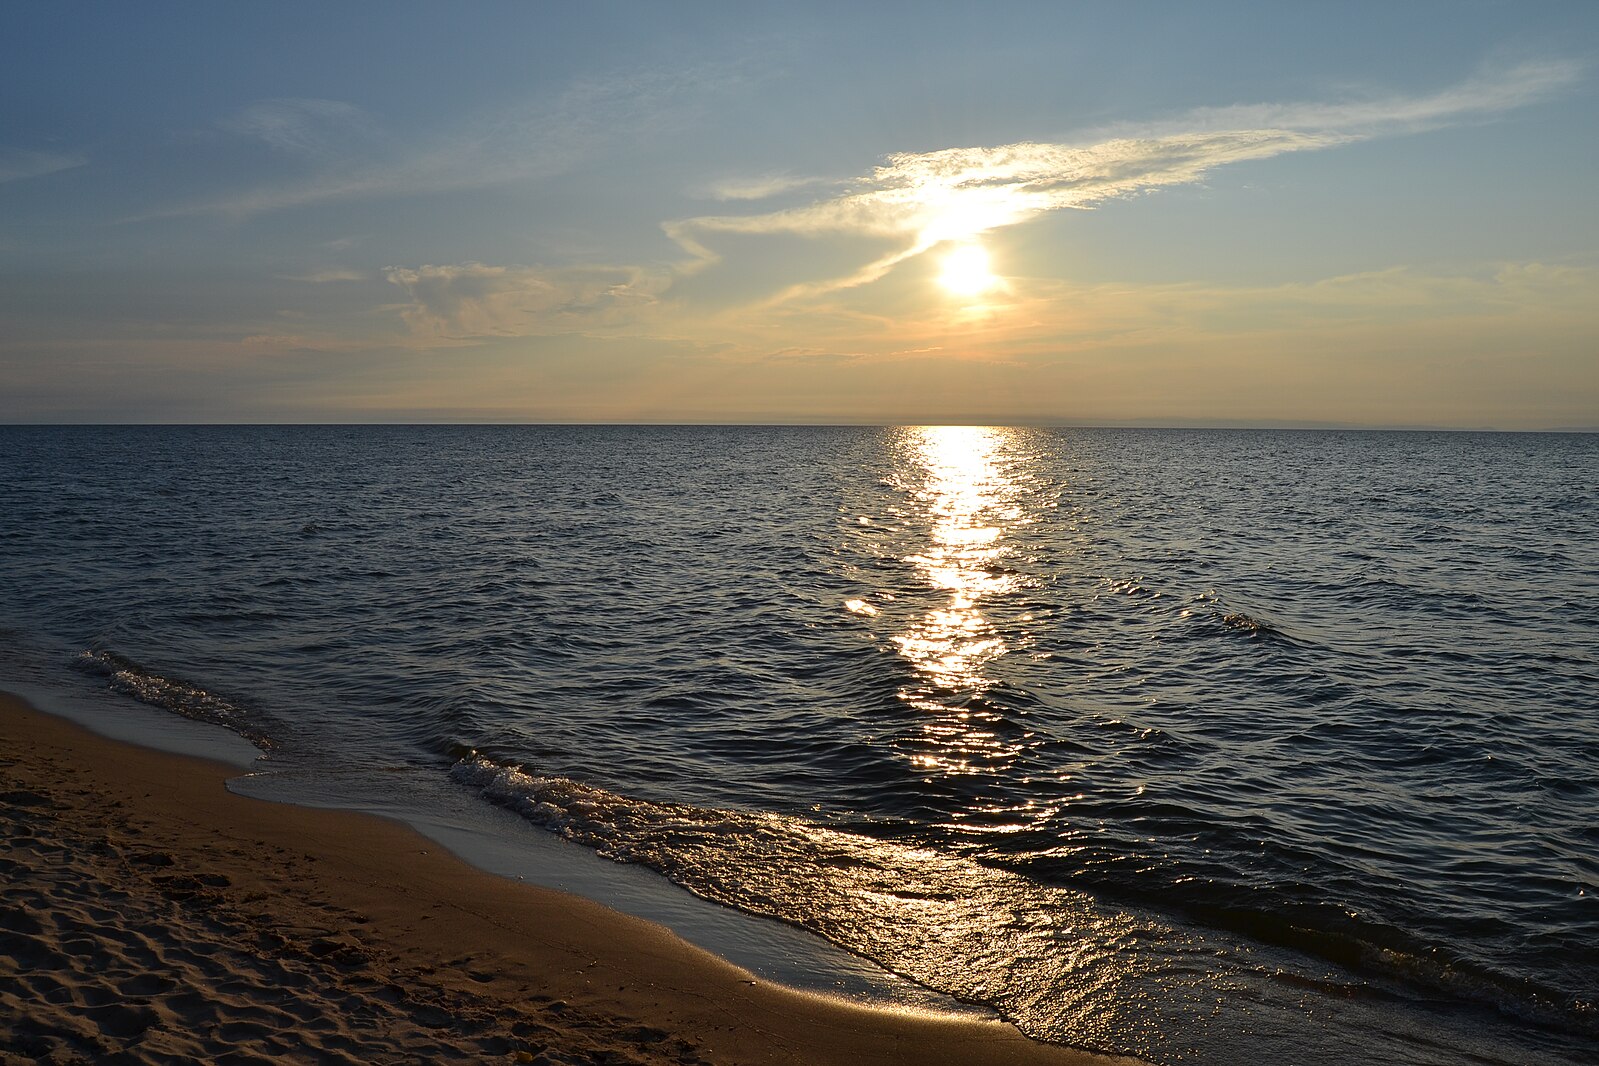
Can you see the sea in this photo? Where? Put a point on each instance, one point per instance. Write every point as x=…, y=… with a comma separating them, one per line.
x=1204, y=746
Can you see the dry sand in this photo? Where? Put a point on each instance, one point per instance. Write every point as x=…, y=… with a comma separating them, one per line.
x=149, y=915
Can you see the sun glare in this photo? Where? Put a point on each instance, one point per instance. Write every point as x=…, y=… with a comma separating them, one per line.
x=966, y=271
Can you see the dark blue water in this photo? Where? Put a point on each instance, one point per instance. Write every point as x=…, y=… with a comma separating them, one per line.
x=1203, y=746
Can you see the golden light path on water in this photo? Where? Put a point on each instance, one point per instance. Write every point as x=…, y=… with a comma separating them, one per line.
x=962, y=909
x=971, y=499
x=1048, y=956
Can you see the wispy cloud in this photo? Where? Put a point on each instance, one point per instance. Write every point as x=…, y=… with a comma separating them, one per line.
x=916, y=200
x=762, y=187
x=538, y=139
x=17, y=164
x=958, y=194
x=1493, y=90
x=304, y=127
x=469, y=300
x=319, y=277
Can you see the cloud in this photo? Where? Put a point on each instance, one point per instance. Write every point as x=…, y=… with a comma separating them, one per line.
x=1491, y=91
x=758, y=188
x=919, y=200
x=304, y=127
x=916, y=200
x=274, y=342
x=534, y=140
x=319, y=277
x=16, y=164
x=469, y=300
x=958, y=193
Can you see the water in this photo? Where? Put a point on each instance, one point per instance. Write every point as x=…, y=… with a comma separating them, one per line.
x=1201, y=746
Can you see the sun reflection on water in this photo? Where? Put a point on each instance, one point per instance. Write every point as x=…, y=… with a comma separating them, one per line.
x=966, y=492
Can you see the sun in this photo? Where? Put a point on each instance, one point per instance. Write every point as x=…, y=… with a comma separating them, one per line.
x=966, y=271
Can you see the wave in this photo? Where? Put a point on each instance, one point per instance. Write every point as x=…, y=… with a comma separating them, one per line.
x=1243, y=623
x=180, y=697
x=1047, y=956
x=956, y=926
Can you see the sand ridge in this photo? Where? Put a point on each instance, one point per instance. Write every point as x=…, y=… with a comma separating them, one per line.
x=151, y=916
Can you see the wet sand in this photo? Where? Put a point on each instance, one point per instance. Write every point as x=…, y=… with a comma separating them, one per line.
x=151, y=916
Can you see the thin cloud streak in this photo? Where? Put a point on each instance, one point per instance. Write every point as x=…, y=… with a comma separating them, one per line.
x=16, y=164
x=320, y=277
x=759, y=188
x=1492, y=91
x=303, y=127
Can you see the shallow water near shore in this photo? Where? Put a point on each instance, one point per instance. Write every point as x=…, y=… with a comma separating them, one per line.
x=1200, y=746
x=490, y=838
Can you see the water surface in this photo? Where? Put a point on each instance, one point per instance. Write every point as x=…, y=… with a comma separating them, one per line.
x=1203, y=746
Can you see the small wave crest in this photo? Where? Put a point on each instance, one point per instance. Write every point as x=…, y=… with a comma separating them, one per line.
x=127, y=677
x=1239, y=622
x=1212, y=615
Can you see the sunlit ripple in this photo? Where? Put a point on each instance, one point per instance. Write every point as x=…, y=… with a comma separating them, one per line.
x=968, y=495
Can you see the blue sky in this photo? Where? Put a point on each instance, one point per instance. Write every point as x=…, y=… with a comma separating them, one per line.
x=1178, y=214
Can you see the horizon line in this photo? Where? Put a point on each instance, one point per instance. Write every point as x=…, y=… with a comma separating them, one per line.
x=1305, y=427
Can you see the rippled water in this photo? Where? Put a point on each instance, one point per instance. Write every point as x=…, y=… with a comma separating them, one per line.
x=1204, y=746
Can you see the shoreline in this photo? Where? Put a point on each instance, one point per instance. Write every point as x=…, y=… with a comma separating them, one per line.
x=500, y=842
x=154, y=915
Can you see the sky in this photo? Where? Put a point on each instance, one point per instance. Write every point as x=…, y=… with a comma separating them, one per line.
x=1228, y=214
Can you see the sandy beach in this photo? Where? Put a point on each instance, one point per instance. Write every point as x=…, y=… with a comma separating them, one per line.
x=152, y=916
